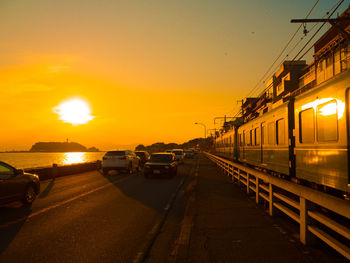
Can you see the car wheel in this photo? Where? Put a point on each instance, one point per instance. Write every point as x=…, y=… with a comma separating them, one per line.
x=29, y=195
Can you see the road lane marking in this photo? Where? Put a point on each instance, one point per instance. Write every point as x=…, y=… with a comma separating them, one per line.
x=61, y=203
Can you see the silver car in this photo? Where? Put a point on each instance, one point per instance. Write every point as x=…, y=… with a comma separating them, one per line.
x=179, y=154
x=124, y=160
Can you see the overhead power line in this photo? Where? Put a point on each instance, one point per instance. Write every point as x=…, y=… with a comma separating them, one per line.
x=280, y=54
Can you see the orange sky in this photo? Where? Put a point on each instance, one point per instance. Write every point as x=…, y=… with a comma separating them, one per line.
x=148, y=69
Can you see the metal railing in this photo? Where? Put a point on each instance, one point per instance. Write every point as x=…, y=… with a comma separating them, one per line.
x=302, y=204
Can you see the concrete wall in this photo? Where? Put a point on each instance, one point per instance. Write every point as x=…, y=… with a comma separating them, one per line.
x=54, y=171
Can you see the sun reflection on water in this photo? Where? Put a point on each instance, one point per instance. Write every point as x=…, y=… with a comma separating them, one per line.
x=74, y=157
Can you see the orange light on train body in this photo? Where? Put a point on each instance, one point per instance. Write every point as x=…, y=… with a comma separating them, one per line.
x=328, y=109
x=337, y=106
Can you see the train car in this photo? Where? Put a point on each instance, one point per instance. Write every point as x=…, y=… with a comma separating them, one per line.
x=322, y=131
x=263, y=141
x=225, y=144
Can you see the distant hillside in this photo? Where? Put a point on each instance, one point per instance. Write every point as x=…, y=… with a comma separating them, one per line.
x=203, y=144
x=61, y=147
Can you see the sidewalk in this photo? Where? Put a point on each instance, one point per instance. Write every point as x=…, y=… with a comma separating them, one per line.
x=229, y=227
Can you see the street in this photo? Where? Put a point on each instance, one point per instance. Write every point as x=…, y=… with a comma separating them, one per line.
x=94, y=218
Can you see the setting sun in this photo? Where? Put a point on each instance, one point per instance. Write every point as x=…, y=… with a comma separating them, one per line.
x=74, y=111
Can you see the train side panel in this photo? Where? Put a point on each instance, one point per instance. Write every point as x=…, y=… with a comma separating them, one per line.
x=321, y=133
x=275, y=151
x=264, y=141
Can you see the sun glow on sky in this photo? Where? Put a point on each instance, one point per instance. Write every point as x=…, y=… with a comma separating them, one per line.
x=74, y=111
x=148, y=69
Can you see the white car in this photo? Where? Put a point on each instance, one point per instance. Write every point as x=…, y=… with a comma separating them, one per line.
x=179, y=154
x=124, y=160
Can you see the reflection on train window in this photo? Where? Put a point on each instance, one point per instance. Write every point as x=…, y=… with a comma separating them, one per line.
x=307, y=126
x=280, y=132
x=327, y=122
x=257, y=136
x=271, y=133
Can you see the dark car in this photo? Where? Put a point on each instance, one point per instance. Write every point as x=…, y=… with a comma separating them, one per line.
x=16, y=185
x=161, y=165
x=144, y=156
x=189, y=154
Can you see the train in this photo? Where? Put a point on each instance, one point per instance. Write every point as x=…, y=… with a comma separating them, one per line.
x=304, y=138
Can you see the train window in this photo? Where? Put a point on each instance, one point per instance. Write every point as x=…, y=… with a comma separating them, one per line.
x=280, y=132
x=251, y=137
x=327, y=122
x=257, y=136
x=307, y=126
x=247, y=138
x=240, y=140
x=271, y=133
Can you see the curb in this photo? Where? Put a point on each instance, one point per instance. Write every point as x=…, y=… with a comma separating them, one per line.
x=180, y=252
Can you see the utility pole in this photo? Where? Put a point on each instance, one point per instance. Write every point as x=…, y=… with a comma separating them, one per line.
x=333, y=21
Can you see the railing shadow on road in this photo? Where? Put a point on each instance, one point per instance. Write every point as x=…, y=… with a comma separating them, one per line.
x=12, y=217
x=47, y=189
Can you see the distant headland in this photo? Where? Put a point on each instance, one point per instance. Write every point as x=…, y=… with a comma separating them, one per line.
x=61, y=147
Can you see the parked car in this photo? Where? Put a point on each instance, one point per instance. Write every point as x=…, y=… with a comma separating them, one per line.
x=161, y=164
x=124, y=160
x=179, y=154
x=189, y=154
x=16, y=185
x=143, y=155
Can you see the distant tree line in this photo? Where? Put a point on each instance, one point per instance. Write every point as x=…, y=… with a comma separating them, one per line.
x=201, y=143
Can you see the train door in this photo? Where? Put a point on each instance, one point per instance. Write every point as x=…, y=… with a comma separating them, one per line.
x=263, y=141
x=243, y=145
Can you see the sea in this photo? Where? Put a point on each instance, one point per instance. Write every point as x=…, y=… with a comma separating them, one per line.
x=30, y=160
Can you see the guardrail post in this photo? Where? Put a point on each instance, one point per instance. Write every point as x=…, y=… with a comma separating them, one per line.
x=304, y=221
x=239, y=176
x=98, y=164
x=257, y=189
x=271, y=199
x=248, y=183
x=54, y=170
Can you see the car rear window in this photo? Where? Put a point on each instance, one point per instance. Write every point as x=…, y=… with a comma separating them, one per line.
x=161, y=158
x=115, y=153
x=140, y=154
x=177, y=152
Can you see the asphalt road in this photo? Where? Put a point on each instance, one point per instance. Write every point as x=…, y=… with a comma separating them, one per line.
x=94, y=218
